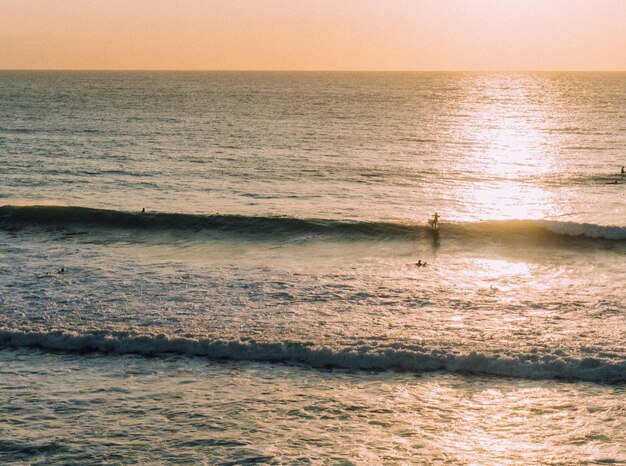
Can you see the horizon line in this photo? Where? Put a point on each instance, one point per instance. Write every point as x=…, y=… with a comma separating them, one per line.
x=252, y=70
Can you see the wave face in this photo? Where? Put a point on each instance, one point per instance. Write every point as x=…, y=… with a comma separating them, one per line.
x=69, y=218
x=12, y=217
x=398, y=357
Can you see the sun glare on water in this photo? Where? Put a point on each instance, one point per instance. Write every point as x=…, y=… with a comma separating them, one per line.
x=509, y=152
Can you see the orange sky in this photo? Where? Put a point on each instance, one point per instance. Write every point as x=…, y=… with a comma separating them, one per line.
x=314, y=34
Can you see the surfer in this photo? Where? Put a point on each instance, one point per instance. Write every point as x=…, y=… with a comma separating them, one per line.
x=420, y=263
x=623, y=172
x=143, y=211
x=434, y=222
x=61, y=270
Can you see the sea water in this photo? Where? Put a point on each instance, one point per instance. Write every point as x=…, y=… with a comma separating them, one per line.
x=266, y=307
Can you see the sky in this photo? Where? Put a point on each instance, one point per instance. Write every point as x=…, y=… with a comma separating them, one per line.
x=559, y=35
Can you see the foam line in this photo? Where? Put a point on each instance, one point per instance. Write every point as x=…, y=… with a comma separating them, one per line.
x=397, y=357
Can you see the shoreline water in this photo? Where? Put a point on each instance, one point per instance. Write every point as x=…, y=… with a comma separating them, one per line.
x=241, y=412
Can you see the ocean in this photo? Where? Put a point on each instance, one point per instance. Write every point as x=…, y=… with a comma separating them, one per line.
x=220, y=268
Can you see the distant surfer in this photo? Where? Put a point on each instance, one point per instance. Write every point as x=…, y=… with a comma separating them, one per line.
x=434, y=222
x=623, y=172
x=143, y=211
x=61, y=271
x=420, y=263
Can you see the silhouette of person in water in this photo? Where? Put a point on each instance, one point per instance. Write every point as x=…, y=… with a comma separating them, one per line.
x=420, y=263
x=434, y=222
x=61, y=270
x=623, y=172
x=143, y=211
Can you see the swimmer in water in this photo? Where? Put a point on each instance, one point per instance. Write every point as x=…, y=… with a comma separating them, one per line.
x=623, y=172
x=61, y=270
x=420, y=263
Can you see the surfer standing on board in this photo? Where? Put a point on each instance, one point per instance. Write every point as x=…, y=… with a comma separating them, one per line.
x=434, y=222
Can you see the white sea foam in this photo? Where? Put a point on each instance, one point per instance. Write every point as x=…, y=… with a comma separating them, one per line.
x=363, y=357
x=590, y=230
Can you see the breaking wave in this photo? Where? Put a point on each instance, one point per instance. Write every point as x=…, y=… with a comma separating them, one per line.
x=396, y=357
x=276, y=227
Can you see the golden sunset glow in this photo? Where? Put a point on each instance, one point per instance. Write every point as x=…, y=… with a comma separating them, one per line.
x=312, y=231
x=313, y=35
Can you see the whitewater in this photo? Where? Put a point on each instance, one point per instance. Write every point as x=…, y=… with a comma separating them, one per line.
x=222, y=268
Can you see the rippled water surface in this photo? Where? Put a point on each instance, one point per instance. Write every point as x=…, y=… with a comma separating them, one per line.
x=267, y=307
x=109, y=410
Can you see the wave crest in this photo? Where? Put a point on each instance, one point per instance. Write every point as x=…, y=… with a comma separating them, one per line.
x=589, y=230
x=397, y=357
x=271, y=227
